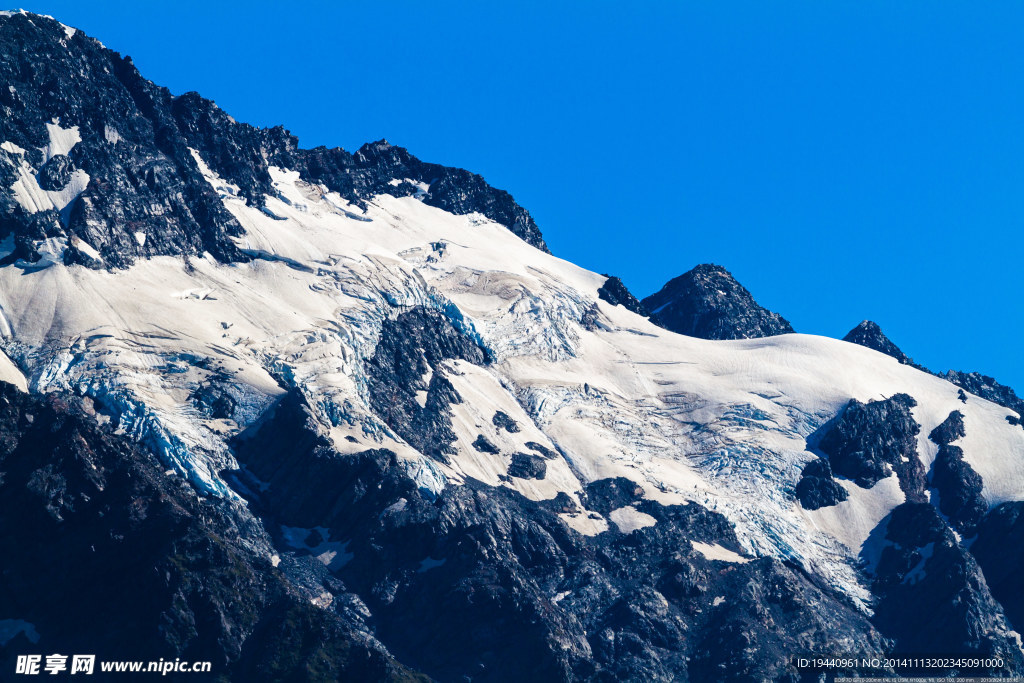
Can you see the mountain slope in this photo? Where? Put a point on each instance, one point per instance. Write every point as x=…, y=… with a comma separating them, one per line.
x=428, y=419
x=707, y=302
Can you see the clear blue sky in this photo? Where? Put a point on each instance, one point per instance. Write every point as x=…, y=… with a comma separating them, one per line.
x=846, y=160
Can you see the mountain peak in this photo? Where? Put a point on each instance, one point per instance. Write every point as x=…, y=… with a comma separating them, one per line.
x=89, y=147
x=615, y=292
x=68, y=30
x=708, y=302
x=711, y=269
x=869, y=334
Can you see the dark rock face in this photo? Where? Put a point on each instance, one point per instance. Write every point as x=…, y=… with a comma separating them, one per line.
x=101, y=533
x=527, y=466
x=999, y=550
x=413, y=343
x=867, y=442
x=543, y=450
x=145, y=182
x=503, y=421
x=135, y=146
x=615, y=292
x=734, y=639
x=605, y=495
x=953, y=611
x=561, y=503
x=708, y=302
x=959, y=488
x=951, y=429
x=958, y=485
x=988, y=388
x=56, y=173
x=816, y=488
x=484, y=445
x=869, y=334
x=510, y=592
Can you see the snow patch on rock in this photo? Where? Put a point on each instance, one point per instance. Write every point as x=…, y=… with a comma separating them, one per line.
x=713, y=551
x=628, y=519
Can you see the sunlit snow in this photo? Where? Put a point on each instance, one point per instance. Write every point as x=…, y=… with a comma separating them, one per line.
x=722, y=423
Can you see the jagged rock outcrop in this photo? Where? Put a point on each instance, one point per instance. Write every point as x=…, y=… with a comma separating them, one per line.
x=100, y=531
x=605, y=495
x=527, y=466
x=958, y=485
x=869, y=334
x=959, y=488
x=817, y=488
x=708, y=302
x=501, y=420
x=453, y=189
x=114, y=150
x=949, y=430
x=484, y=445
x=543, y=450
x=408, y=360
x=953, y=613
x=615, y=292
x=870, y=441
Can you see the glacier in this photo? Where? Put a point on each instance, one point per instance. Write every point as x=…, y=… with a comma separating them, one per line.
x=721, y=423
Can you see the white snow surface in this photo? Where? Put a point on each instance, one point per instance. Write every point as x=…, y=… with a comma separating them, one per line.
x=722, y=423
x=62, y=140
x=26, y=189
x=628, y=519
x=10, y=373
x=713, y=551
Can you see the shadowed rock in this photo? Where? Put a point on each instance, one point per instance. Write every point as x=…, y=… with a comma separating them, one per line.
x=869, y=334
x=868, y=441
x=615, y=292
x=816, y=488
x=707, y=302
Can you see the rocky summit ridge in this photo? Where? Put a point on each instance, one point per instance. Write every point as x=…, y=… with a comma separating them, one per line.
x=108, y=163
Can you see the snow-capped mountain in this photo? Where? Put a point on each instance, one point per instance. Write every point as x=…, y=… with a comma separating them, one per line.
x=343, y=414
